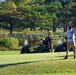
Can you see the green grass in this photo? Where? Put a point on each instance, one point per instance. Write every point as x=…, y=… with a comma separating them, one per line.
x=13, y=63
x=9, y=52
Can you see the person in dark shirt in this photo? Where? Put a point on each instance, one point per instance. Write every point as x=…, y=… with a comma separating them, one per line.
x=48, y=42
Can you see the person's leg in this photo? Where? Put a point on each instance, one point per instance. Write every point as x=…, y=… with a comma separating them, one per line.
x=67, y=51
x=75, y=53
x=51, y=47
x=74, y=49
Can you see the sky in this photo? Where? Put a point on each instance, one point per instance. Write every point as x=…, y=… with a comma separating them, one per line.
x=2, y=0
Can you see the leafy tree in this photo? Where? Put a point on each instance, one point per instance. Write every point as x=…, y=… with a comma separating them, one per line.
x=26, y=13
x=8, y=13
x=67, y=13
x=40, y=15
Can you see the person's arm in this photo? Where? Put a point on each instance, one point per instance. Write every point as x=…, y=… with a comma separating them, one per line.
x=75, y=30
x=74, y=39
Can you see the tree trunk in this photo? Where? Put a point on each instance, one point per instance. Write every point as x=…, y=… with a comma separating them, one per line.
x=54, y=28
x=11, y=28
x=65, y=28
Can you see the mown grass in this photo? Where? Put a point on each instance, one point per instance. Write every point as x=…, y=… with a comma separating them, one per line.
x=36, y=64
x=12, y=52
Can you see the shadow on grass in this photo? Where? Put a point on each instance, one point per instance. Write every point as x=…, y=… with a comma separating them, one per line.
x=12, y=64
x=5, y=65
x=64, y=56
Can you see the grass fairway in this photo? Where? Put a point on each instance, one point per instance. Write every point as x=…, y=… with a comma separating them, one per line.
x=13, y=63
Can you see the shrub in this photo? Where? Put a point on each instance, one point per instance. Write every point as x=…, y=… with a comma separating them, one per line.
x=9, y=42
x=21, y=42
x=2, y=43
x=55, y=43
x=2, y=48
x=30, y=40
x=27, y=31
x=36, y=40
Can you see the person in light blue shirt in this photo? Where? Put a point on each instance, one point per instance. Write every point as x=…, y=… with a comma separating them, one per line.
x=70, y=42
x=70, y=35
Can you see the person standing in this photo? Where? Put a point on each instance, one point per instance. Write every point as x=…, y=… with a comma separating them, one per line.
x=70, y=42
x=48, y=40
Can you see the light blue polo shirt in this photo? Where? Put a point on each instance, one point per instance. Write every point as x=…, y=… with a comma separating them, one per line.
x=70, y=35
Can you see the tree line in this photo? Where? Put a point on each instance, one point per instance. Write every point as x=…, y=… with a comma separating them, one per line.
x=43, y=14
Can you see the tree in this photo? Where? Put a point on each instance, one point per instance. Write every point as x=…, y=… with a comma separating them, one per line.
x=33, y=14
x=8, y=13
x=44, y=14
x=67, y=13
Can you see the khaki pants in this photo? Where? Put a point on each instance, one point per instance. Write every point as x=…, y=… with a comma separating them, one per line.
x=70, y=44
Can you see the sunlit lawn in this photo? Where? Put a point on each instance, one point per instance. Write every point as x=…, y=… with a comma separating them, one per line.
x=14, y=63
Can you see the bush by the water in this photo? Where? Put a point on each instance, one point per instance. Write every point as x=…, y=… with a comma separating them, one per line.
x=10, y=43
